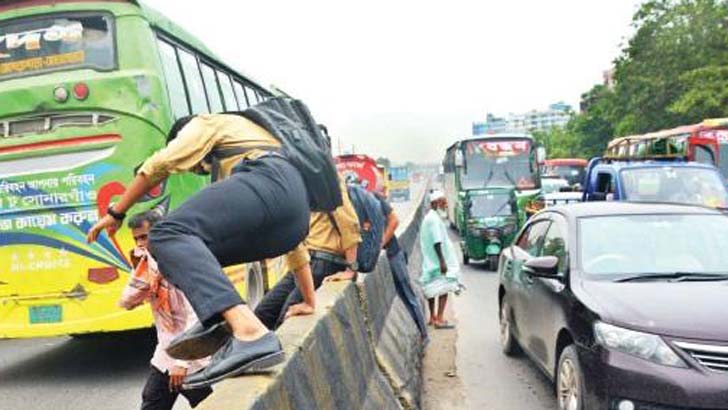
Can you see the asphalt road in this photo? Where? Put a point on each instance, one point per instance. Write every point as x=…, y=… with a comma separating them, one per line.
x=491, y=380
x=86, y=374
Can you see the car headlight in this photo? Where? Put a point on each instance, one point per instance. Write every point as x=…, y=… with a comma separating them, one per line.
x=492, y=233
x=643, y=345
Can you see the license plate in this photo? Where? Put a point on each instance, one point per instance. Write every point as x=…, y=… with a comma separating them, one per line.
x=45, y=314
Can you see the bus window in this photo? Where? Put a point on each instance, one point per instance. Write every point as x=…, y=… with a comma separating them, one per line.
x=227, y=91
x=723, y=156
x=704, y=155
x=213, y=93
x=195, y=87
x=252, y=96
x=175, y=85
x=61, y=41
x=241, y=95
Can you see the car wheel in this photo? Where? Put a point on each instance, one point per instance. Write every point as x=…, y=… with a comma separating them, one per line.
x=508, y=342
x=254, y=285
x=569, y=381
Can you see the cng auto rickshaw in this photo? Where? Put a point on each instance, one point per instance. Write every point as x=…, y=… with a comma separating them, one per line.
x=488, y=220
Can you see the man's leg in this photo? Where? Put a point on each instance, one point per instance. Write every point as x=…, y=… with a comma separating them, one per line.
x=400, y=273
x=441, y=304
x=433, y=314
x=275, y=301
x=156, y=394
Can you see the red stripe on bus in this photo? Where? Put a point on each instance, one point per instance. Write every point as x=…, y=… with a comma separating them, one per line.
x=94, y=139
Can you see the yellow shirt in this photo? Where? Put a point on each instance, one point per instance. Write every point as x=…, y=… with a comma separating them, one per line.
x=323, y=235
x=198, y=138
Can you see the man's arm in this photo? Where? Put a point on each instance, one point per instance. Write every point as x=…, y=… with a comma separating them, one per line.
x=299, y=262
x=390, y=229
x=443, y=265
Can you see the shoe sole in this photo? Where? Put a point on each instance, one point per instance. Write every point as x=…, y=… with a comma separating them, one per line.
x=257, y=365
x=201, y=346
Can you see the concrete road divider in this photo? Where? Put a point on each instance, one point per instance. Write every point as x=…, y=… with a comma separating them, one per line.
x=360, y=350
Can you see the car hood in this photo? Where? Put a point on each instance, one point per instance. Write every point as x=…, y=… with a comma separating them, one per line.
x=691, y=310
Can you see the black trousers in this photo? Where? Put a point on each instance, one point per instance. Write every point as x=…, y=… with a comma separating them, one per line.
x=259, y=212
x=272, y=309
x=157, y=396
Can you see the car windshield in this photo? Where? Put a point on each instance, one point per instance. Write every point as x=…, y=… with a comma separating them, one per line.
x=574, y=174
x=613, y=247
x=59, y=41
x=485, y=206
x=497, y=163
x=697, y=186
x=550, y=184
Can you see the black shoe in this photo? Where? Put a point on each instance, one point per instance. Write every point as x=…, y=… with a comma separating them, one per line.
x=199, y=341
x=238, y=357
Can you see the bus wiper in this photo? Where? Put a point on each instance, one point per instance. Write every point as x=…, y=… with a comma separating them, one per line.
x=510, y=178
x=487, y=180
x=675, y=276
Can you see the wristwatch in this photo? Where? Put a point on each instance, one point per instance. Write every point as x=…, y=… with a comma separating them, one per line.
x=119, y=216
x=354, y=266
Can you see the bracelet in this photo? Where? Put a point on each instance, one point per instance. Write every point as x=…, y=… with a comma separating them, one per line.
x=119, y=216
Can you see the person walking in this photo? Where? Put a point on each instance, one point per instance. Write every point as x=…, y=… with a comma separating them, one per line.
x=259, y=210
x=172, y=315
x=440, y=267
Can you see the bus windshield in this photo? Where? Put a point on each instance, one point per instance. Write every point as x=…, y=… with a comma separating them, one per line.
x=698, y=186
x=498, y=163
x=486, y=206
x=36, y=44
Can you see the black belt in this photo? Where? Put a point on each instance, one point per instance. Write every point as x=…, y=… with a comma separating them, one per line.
x=328, y=257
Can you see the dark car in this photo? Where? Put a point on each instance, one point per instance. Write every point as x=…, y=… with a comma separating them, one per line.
x=623, y=305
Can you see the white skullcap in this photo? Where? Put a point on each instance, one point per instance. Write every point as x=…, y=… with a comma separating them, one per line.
x=436, y=195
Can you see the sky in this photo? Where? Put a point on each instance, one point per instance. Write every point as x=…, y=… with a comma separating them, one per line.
x=406, y=78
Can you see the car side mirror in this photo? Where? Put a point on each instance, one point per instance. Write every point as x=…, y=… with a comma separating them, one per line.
x=543, y=266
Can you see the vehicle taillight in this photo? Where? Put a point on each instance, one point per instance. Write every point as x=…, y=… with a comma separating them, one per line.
x=103, y=275
x=80, y=91
x=60, y=94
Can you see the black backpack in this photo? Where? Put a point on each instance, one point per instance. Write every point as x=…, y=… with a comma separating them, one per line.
x=304, y=145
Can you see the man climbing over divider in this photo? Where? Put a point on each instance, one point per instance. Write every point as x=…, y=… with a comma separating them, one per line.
x=332, y=243
x=261, y=210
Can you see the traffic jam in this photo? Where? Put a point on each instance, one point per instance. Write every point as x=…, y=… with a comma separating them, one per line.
x=612, y=270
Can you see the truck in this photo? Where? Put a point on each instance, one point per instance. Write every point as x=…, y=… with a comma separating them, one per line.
x=399, y=183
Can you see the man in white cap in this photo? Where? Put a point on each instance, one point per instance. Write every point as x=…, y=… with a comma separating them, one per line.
x=440, y=267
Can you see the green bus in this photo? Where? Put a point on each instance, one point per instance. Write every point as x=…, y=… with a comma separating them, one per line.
x=490, y=184
x=89, y=90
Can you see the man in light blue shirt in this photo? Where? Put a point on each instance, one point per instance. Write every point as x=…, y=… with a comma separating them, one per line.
x=440, y=267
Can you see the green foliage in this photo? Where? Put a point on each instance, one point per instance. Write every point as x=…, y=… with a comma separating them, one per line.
x=673, y=71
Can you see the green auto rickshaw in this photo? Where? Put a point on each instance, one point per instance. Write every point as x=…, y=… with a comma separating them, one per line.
x=488, y=220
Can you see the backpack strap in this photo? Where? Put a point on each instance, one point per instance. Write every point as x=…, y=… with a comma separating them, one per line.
x=333, y=222
x=218, y=154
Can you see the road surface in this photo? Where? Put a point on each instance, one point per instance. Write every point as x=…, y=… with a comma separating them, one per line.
x=492, y=380
x=479, y=376
x=97, y=373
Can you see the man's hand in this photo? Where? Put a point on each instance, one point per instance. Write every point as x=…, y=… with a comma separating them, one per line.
x=341, y=276
x=176, y=377
x=300, y=309
x=443, y=268
x=108, y=222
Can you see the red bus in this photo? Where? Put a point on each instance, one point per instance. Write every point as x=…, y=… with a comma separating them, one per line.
x=706, y=142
